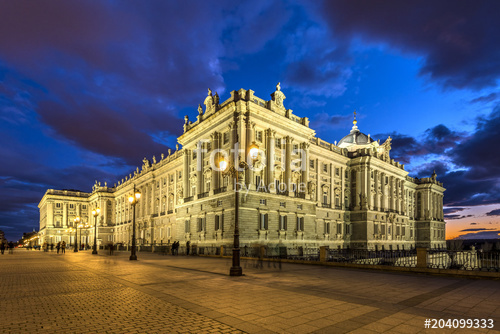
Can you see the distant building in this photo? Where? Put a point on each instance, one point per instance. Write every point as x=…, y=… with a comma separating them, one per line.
x=2, y=237
x=300, y=191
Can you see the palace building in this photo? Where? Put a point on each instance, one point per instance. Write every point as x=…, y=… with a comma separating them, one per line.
x=299, y=191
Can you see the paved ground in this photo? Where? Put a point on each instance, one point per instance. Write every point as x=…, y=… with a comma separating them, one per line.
x=84, y=293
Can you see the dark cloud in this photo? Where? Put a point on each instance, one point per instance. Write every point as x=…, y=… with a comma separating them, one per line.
x=476, y=229
x=486, y=98
x=447, y=211
x=481, y=235
x=459, y=42
x=478, y=152
x=494, y=213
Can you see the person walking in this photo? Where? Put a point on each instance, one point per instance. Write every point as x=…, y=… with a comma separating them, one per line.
x=11, y=247
x=111, y=248
x=58, y=247
x=173, y=248
x=63, y=247
x=187, y=247
x=52, y=247
x=2, y=247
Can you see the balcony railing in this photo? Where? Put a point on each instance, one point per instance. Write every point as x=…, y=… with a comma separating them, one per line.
x=170, y=212
x=188, y=199
x=220, y=190
x=154, y=215
x=326, y=205
x=203, y=195
x=300, y=195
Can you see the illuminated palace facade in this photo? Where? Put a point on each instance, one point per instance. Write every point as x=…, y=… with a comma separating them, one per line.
x=299, y=192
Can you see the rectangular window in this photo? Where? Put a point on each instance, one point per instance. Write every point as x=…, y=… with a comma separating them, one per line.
x=264, y=218
x=171, y=178
x=411, y=233
x=180, y=175
x=217, y=223
x=283, y=221
x=327, y=228
x=168, y=232
x=258, y=136
x=219, y=203
x=403, y=232
x=383, y=229
x=325, y=168
x=339, y=228
x=71, y=206
x=187, y=227
x=277, y=143
x=300, y=223
x=325, y=199
x=209, y=147
x=299, y=206
x=311, y=164
x=58, y=205
x=84, y=207
x=201, y=224
x=226, y=137
x=397, y=230
x=282, y=204
x=257, y=180
x=263, y=201
x=337, y=171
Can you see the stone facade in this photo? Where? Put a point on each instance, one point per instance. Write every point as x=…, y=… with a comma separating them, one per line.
x=300, y=192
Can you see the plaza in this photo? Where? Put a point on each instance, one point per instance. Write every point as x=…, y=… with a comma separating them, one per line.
x=79, y=292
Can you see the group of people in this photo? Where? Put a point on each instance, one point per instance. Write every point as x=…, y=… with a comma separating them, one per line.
x=61, y=246
x=9, y=246
x=175, y=248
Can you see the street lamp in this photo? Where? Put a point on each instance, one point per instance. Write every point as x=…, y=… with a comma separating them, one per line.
x=95, y=213
x=77, y=222
x=232, y=171
x=133, y=199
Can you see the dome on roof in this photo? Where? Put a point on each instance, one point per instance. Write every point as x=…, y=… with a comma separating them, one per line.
x=355, y=138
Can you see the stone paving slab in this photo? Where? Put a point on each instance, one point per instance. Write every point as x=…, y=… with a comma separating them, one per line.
x=85, y=293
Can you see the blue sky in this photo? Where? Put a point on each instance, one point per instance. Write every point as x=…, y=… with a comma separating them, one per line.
x=87, y=89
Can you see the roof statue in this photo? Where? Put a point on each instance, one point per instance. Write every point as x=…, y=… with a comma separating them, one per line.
x=278, y=96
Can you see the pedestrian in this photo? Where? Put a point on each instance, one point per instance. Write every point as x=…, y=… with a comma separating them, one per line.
x=177, y=248
x=2, y=247
x=173, y=248
x=52, y=247
x=111, y=247
x=58, y=247
x=63, y=247
x=187, y=247
x=11, y=247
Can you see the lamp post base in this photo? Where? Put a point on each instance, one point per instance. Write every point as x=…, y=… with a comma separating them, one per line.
x=94, y=252
x=133, y=257
x=75, y=249
x=235, y=271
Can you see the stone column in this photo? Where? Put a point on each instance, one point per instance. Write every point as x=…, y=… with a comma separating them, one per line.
x=199, y=170
x=249, y=131
x=65, y=215
x=234, y=134
x=185, y=176
x=332, y=187
x=270, y=134
x=384, y=192
x=376, y=202
x=318, y=182
x=50, y=214
x=288, y=160
x=358, y=190
x=305, y=167
x=215, y=174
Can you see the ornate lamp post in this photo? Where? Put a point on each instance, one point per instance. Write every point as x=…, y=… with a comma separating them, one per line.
x=76, y=245
x=133, y=199
x=95, y=213
x=233, y=171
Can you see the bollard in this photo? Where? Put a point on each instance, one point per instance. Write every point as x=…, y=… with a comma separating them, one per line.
x=221, y=251
x=323, y=253
x=421, y=257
